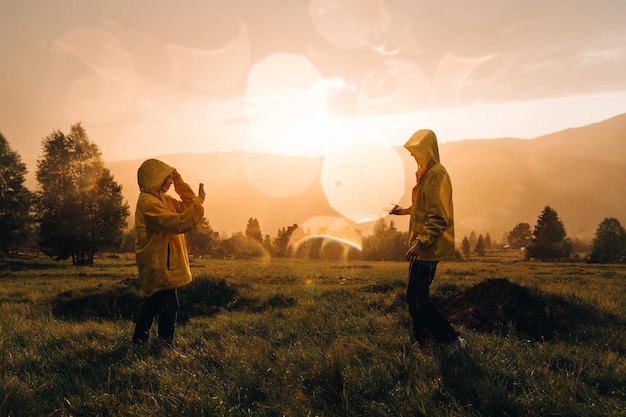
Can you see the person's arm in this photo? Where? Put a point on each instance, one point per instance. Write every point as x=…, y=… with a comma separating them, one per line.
x=161, y=218
x=397, y=210
x=186, y=194
x=438, y=216
x=182, y=188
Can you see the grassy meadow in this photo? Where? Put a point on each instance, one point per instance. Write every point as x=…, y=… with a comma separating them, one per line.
x=285, y=337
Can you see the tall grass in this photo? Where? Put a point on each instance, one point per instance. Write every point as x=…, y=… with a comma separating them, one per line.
x=302, y=338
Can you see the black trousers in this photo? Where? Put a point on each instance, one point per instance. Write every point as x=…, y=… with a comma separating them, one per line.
x=163, y=304
x=428, y=321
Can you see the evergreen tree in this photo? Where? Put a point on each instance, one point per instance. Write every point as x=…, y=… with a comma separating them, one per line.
x=281, y=242
x=80, y=207
x=519, y=236
x=609, y=244
x=480, y=246
x=332, y=249
x=465, y=247
x=473, y=239
x=488, y=241
x=315, y=248
x=267, y=244
x=199, y=238
x=253, y=230
x=15, y=199
x=386, y=243
x=548, y=241
x=128, y=242
x=395, y=243
x=243, y=247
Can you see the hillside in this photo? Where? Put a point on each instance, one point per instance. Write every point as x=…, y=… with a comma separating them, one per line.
x=231, y=198
x=580, y=172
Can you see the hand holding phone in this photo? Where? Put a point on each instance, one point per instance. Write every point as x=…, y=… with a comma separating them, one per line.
x=396, y=209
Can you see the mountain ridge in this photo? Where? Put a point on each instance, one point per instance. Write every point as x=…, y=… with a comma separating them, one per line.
x=497, y=183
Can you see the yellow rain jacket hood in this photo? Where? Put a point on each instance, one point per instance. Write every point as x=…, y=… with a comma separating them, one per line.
x=432, y=212
x=160, y=221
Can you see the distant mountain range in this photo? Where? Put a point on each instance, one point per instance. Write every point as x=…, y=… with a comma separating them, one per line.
x=579, y=172
x=498, y=183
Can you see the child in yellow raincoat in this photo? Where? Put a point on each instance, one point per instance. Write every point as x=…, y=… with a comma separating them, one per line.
x=161, y=251
x=431, y=239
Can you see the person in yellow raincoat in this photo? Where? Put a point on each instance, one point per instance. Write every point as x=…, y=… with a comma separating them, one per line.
x=161, y=252
x=431, y=239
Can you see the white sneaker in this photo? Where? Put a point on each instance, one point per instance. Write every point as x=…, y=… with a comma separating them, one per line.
x=458, y=345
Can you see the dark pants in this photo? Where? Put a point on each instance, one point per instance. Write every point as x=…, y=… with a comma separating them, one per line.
x=428, y=321
x=163, y=304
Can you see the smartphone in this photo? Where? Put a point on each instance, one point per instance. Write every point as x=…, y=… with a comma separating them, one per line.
x=201, y=189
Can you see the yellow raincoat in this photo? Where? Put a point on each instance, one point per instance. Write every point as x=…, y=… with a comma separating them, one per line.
x=160, y=221
x=432, y=211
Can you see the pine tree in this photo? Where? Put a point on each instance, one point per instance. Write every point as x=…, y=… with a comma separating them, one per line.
x=488, y=241
x=15, y=199
x=253, y=230
x=473, y=239
x=609, y=244
x=283, y=237
x=465, y=246
x=548, y=241
x=386, y=243
x=199, y=238
x=480, y=246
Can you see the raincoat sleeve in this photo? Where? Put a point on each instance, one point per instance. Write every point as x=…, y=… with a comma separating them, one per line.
x=438, y=190
x=172, y=216
x=161, y=218
x=186, y=194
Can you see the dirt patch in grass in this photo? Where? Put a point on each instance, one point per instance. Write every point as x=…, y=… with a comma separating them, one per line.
x=501, y=307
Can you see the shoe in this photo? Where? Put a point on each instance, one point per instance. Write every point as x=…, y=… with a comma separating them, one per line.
x=422, y=343
x=457, y=345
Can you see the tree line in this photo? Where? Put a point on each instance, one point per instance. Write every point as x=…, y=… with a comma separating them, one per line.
x=80, y=211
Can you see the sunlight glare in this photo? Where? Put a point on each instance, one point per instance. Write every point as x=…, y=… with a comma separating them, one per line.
x=283, y=83
x=286, y=109
x=361, y=176
x=395, y=87
x=108, y=89
x=283, y=99
x=280, y=176
x=452, y=75
x=350, y=23
x=328, y=227
x=218, y=67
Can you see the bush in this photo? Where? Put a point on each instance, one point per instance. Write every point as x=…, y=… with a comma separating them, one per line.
x=203, y=297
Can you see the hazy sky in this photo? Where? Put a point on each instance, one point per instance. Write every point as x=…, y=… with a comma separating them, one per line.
x=304, y=76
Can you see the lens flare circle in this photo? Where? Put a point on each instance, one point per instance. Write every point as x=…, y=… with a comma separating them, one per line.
x=107, y=90
x=350, y=24
x=327, y=227
x=286, y=111
x=394, y=87
x=280, y=176
x=209, y=67
x=282, y=94
x=360, y=178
